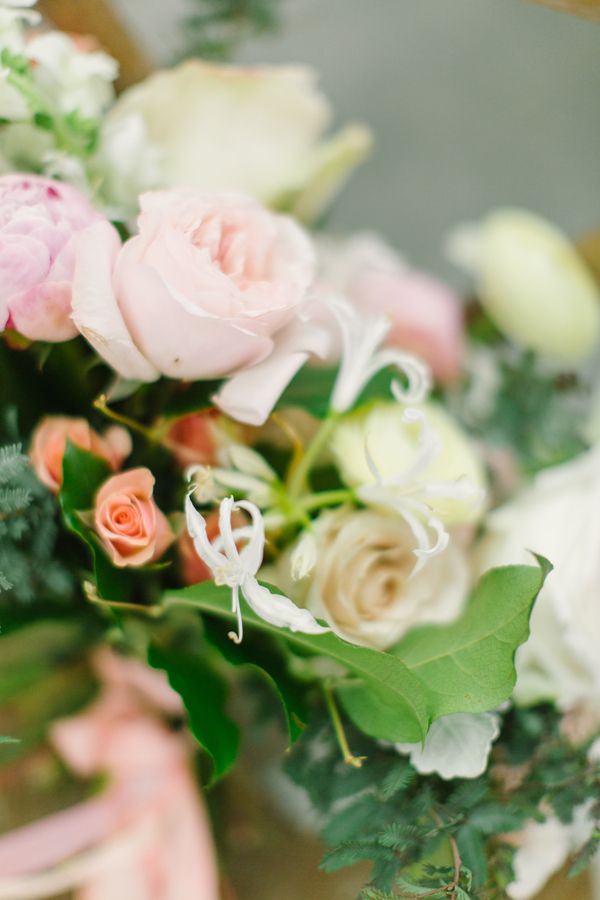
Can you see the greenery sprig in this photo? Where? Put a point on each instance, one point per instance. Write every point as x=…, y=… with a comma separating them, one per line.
x=427, y=837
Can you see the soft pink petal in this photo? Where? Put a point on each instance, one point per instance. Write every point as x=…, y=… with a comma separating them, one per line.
x=250, y=395
x=95, y=309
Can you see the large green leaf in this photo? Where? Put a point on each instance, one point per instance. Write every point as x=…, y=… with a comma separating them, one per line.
x=204, y=696
x=468, y=666
x=380, y=674
x=83, y=473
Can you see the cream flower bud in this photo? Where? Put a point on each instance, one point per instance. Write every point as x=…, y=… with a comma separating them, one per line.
x=531, y=282
x=392, y=442
x=304, y=556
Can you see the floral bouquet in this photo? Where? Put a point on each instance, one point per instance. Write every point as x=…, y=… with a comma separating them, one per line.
x=261, y=479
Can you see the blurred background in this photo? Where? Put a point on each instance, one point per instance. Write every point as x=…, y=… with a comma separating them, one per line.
x=473, y=103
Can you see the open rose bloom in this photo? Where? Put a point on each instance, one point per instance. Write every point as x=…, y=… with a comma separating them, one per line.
x=128, y=522
x=200, y=292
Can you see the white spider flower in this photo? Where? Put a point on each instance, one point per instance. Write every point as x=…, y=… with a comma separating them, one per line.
x=410, y=494
x=363, y=357
x=237, y=568
x=248, y=473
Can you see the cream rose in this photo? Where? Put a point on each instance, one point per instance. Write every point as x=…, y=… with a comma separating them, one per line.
x=256, y=130
x=202, y=291
x=363, y=582
x=558, y=516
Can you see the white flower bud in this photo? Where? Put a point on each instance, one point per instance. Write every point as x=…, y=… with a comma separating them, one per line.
x=532, y=282
x=304, y=556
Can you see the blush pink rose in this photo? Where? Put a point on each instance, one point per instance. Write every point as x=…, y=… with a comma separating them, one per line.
x=49, y=441
x=201, y=292
x=39, y=221
x=427, y=317
x=128, y=522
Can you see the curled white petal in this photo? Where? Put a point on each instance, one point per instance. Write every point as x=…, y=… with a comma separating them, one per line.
x=363, y=357
x=249, y=462
x=237, y=568
x=279, y=610
x=196, y=526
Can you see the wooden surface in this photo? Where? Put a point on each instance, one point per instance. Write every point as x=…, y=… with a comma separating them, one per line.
x=588, y=8
x=97, y=18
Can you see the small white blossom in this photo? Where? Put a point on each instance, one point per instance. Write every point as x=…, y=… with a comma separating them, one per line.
x=409, y=494
x=244, y=471
x=72, y=79
x=363, y=357
x=237, y=568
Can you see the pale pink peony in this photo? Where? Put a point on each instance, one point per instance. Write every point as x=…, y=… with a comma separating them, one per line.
x=128, y=522
x=201, y=292
x=49, y=441
x=39, y=221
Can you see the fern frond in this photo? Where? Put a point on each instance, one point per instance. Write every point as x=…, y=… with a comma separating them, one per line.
x=12, y=462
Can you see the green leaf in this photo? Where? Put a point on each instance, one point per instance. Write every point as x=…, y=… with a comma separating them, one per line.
x=472, y=852
x=380, y=675
x=204, y=697
x=312, y=387
x=468, y=666
x=190, y=398
x=83, y=473
x=269, y=660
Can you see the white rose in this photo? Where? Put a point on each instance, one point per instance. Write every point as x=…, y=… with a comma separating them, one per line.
x=394, y=448
x=363, y=582
x=258, y=131
x=559, y=517
x=532, y=283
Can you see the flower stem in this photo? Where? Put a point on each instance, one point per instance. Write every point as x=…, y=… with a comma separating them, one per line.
x=150, y=434
x=299, y=473
x=349, y=758
x=327, y=498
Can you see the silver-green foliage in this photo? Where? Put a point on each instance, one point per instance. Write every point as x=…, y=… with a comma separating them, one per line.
x=28, y=533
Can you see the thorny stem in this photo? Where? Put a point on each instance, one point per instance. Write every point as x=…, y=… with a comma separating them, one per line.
x=347, y=755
